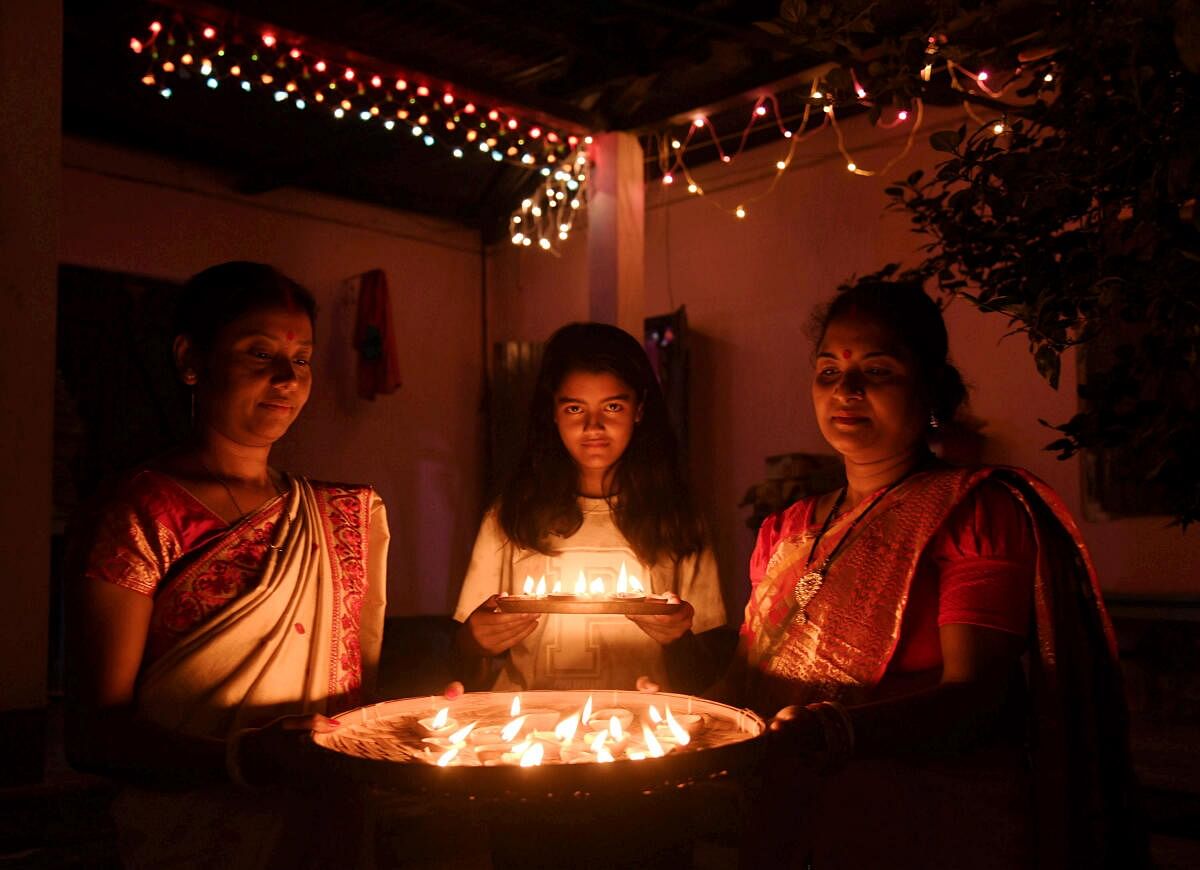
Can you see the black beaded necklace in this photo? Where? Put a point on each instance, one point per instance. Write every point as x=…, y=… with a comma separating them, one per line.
x=810, y=584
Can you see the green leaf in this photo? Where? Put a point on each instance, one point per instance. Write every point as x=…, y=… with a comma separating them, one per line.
x=944, y=140
x=1049, y=364
x=770, y=27
x=793, y=11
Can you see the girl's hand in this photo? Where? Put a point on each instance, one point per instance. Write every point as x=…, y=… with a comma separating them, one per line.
x=667, y=627
x=646, y=685
x=488, y=632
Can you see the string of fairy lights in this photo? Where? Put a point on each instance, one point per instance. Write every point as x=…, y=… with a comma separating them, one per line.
x=551, y=212
x=188, y=50
x=672, y=146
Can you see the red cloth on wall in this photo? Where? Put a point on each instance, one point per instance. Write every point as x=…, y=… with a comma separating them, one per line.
x=375, y=338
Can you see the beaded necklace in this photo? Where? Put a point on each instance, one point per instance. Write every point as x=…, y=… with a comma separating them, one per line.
x=810, y=584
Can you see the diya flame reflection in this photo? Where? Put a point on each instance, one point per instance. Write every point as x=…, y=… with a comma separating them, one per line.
x=527, y=739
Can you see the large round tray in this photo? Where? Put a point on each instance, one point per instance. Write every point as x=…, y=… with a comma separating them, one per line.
x=730, y=742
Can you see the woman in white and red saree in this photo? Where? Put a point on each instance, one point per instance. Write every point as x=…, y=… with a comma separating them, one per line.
x=279, y=613
x=221, y=607
x=934, y=635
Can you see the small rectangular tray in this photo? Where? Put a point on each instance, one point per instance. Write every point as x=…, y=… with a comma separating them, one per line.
x=510, y=604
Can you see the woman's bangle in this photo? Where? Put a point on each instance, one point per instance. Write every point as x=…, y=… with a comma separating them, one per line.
x=838, y=730
x=233, y=767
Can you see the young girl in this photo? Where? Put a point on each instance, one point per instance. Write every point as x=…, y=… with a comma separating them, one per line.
x=598, y=487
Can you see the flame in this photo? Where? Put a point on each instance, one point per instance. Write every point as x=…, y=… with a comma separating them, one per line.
x=541, y=588
x=655, y=716
x=520, y=748
x=460, y=736
x=677, y=731
x=557, y=590
x=512, y=729
x=439, y=720
x=635, y=585
x=634, y=755
x=615, y=729
x=448, y=756
x=622, y=580
x=528, y=587
x=532, y=756
x=587, y=711
x=515, y=709
x=597, y=587
x=581, y=585
x=653, y=747
x=599, y=740
x=565, y=730
x=603, y=756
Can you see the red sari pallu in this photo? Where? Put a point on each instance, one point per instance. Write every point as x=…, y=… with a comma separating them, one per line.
x=1081, y=806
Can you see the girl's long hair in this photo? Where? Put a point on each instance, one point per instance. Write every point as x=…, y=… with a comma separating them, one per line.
x=651, y=500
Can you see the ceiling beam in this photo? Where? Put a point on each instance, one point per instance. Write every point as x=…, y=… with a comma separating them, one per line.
x=751, y=36
x=727, y=95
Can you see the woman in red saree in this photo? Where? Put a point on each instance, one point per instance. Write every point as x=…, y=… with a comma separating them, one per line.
x=222, y=607
x=934, y=635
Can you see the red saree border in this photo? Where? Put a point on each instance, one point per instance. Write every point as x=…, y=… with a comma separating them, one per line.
x=345, y=518
x=211, y=576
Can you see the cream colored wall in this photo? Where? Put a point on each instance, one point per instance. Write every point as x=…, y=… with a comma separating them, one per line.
x=420, y=447
x=750, y=286
x=532, y=293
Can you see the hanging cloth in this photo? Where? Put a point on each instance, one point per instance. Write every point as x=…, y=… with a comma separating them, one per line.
x=374, y=337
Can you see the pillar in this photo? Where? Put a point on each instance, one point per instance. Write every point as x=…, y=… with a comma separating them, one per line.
x=616, y=233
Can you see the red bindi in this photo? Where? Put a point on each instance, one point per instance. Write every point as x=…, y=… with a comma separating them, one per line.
x=845, y=354
x=291, y=336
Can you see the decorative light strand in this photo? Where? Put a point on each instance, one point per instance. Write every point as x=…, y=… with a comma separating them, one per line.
x=672, y=160
x=951, y=67
x=794, y=137
x=547, y=217
x=853, y=166
x=186, y=49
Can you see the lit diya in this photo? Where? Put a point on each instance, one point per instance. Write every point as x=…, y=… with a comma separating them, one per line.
x=629, y=596
x=580, y=741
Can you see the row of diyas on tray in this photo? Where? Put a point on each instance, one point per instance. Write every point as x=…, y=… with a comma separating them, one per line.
x=628, y=588
x=536, y=736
